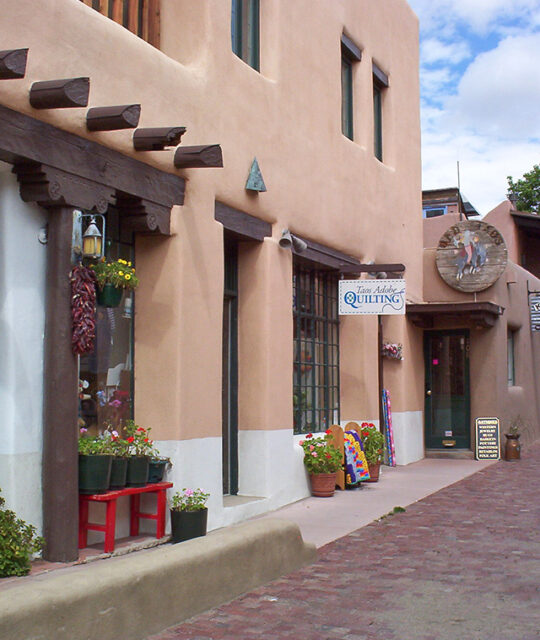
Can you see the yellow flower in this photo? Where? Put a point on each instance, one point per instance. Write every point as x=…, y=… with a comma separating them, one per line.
x=129, y=264
x=128, y=277
x=120, y=273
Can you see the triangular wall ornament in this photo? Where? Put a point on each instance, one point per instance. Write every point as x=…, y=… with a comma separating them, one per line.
x=255, y=180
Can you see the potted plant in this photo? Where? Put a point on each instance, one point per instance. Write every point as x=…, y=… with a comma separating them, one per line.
x=157, y=465
x=140, y=450
x=322, y=461
x=512, y=449
x=112, y=278
x=189, y=514
x=18, y=543
x=120, y=459
x=95, y=459
x=373, y=443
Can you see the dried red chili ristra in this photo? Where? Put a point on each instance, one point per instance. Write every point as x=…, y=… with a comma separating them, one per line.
x=83, y=309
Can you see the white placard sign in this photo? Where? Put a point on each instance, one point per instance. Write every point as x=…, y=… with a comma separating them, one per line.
x=371, y=297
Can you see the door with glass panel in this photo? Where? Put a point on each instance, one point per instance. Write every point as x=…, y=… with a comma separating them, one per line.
x=447, y=395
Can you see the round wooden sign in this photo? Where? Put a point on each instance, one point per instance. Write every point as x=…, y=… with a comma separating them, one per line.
x=471, y=256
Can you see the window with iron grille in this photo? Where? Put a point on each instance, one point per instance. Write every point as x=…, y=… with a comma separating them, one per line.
x=316, y=349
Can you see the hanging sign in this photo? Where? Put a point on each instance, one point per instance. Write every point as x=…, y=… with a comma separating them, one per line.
x=534, y=307
x=471, y=256
x=488, y=439
x=371, y=297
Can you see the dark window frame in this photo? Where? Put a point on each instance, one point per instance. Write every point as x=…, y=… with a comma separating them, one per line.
x=380, y=84
x=511, y=357
x=245, y=31
x=350, y=54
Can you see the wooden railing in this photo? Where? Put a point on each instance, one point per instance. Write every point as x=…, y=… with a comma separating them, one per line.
x=141, y=17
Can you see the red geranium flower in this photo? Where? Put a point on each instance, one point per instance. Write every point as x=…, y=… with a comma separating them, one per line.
x=130, y=439
x=309, y=435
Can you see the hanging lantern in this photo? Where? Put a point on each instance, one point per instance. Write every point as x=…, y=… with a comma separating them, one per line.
x=92, y=241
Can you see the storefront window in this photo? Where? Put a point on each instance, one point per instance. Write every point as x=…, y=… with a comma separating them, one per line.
x=106, y=375
x=316, y=350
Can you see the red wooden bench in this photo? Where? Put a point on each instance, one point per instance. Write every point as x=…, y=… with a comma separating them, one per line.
x=110, y=498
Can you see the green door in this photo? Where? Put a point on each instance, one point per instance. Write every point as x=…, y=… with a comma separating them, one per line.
x=447, y=399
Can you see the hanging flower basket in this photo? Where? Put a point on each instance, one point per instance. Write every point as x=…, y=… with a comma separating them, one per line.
x=392, y=350
x=110, y=296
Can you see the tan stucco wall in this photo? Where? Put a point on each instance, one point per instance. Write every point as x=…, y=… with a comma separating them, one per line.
x=500, y=218
x=320, y=184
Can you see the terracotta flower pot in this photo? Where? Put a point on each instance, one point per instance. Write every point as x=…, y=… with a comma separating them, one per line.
x=512, y=450
x=374, y=471
x=323, y=485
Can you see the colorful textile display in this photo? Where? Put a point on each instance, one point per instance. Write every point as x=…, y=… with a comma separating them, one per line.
x=390, y=451
x=356, y=466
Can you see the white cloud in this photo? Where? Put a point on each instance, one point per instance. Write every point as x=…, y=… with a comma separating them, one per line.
x=499, y=93
x=435, y=50
x=479, y=15
x=489, y=119
x=484, y=164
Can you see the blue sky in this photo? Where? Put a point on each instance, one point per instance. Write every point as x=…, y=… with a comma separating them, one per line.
x=480, y=92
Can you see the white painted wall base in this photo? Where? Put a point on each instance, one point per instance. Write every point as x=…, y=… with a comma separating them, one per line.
x=22, y=322
x=271, y=472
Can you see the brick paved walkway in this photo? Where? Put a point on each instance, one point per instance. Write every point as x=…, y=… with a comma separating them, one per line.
x=462, y=564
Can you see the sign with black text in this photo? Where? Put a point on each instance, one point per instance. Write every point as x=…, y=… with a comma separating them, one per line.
x=371, y=297
x=488, y=439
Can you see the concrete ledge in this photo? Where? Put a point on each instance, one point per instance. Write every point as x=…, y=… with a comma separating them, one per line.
x=137, y=595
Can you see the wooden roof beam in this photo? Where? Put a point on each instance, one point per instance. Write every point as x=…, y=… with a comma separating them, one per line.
x=113, y=118
x=200, y=156
x=60, y=94
x=13, y=63
x=157, y=138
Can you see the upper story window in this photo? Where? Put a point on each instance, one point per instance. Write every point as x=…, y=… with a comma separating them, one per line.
x=380, y=84
x=350, y=54
x=141, y=17
x=245, y=31
x=433, y=212
x=510, y=357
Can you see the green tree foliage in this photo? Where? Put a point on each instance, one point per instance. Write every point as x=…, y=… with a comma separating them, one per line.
x=18, y=541
x=527, y=190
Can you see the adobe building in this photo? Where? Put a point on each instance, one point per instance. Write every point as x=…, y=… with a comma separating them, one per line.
x=299, y=116
x=481, y=342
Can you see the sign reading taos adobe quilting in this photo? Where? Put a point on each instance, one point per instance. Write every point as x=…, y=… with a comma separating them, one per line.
x=471, y=256
x=371, y=297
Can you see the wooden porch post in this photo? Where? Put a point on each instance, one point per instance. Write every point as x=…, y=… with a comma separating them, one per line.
x=60, y=458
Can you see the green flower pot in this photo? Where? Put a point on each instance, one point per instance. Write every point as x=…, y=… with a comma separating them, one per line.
x=94, y=474
x=156, y=469
x=109, y=296
x=119, y=469
x=137, y=471
x=186, y=525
